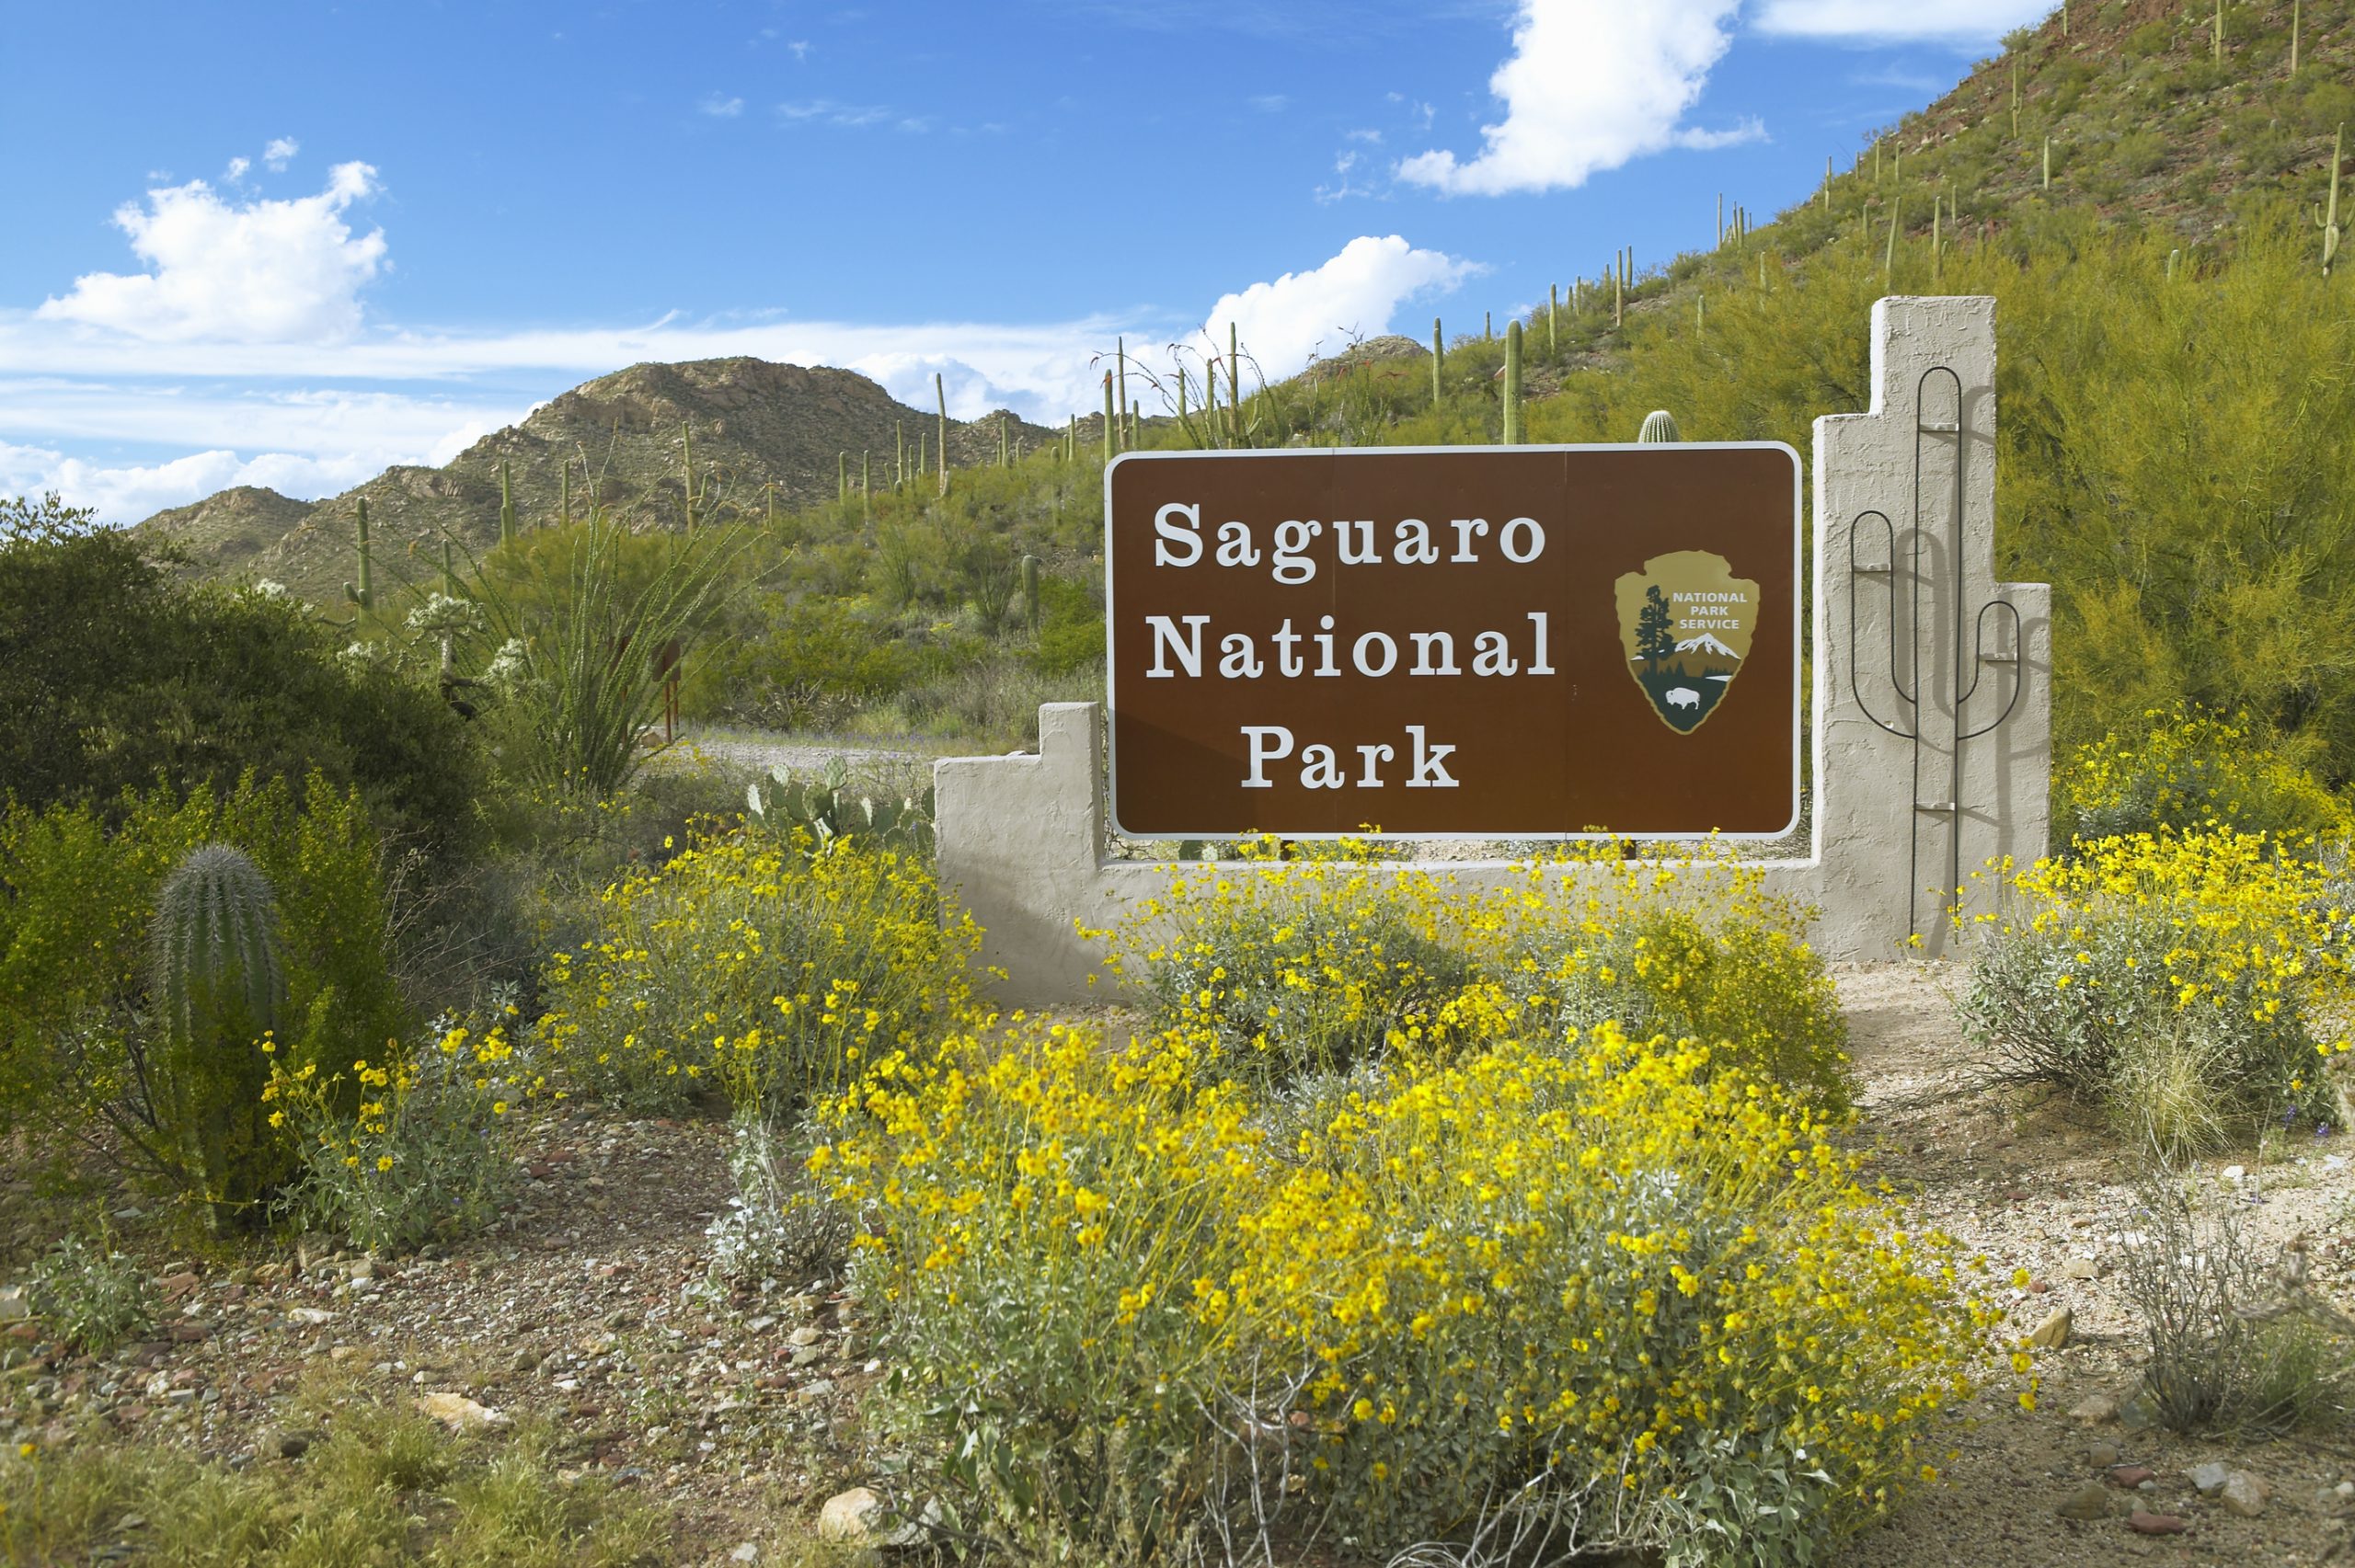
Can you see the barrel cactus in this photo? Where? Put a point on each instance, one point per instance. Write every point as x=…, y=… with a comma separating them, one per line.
x=1659, y=425
x=217, y=982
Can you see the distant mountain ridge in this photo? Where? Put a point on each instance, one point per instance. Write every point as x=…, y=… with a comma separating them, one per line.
x=754, y=425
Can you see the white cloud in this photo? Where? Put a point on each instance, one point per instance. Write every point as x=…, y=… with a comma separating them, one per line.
x=800, y=47
x=1271, y=103
x=1592, y=84
x=263, y=271
x=720, y=108
x=279, y=151
x=1283, y=323
x=1962, y=20
x=826, y=111
x=129, y=492
x=237, y=170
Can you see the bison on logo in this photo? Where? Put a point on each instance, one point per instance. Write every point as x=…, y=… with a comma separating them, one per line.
x=1685, y=622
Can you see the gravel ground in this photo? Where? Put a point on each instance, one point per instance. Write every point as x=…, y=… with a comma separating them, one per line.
x=584, y=1305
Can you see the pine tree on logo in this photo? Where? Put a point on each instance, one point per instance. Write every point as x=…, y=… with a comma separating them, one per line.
x=1655, y=638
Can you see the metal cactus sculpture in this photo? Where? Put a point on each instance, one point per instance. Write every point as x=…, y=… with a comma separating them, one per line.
x=2329, y=223
x=217, y=982
x=1660, y=427
x=363, y=594
x=1513, y=384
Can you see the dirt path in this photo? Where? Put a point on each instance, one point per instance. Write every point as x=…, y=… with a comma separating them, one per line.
x=2040, y=1187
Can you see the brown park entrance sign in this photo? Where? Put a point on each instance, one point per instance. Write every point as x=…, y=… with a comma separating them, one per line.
x=1525, y=642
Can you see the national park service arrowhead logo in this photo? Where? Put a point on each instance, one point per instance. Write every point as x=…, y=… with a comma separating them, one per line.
x=1685, y=622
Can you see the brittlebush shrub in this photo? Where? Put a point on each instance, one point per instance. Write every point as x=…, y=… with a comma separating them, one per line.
x=2188, y=771
x=1698, y=949
x=765, y=968
x=1297, y=969
x=1598, y=1289
x=2191, y=986
x=1294, y=967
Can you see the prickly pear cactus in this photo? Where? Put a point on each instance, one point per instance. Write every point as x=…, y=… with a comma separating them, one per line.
x=217, y=982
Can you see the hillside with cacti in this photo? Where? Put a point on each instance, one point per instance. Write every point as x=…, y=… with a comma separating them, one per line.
x=748, y=436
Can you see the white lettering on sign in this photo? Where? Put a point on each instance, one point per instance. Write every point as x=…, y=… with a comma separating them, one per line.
x=1177, y=541
x=1320, y=764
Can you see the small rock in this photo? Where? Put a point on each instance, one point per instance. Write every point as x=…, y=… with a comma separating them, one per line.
x=2245, y=1495
x=311, y=1317
x=2101, y=1456
x=2209, y=1477
x=856, y=1518
x=804, y=1335
x=2234, y=1174
x=2039, y=1287
x=2054, y=1332
x=2081, y=1269
x=2343, y=1490
x=748, y=1552
x=2142, y=1522
x=293, y=1445
x=364, y=1271
x=462, y=1414
x=2095, y=1409
x=2130, y=1476
x=2090, y=1501
x=761, y=1324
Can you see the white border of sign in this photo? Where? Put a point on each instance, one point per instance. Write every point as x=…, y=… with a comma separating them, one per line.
x=1801, y=588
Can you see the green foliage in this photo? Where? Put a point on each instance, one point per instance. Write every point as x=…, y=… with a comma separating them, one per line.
x=216, y=986
x=825, y=808
x=359, y=1499
x=91, y=1296
x=84, y=1040
x=113, y=672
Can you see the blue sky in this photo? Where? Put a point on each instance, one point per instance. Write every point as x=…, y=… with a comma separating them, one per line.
x=291, y=243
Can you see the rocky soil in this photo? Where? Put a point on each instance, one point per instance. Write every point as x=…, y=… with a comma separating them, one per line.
x=586, y=1305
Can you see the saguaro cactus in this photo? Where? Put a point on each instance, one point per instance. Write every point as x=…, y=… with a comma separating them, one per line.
x=217, y=980
x=506, y=506
x=1513, y=384
x=1031, y=591
x=364, y=593
x=1438, y=353
x=2327, y=223
x=940, y=392
x=1112, y=425
x=1660, y=425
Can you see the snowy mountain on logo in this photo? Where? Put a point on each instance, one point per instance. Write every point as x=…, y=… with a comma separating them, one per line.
x=1704, y=643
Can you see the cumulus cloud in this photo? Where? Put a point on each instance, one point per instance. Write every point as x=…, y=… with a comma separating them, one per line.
x=1590, y=84
x=267, y=271
x=1962, y=20
x=720, y=108
x=125, y=493
x=1285, y=323
x=279, y=151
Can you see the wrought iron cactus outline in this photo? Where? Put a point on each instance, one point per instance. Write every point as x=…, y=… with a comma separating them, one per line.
x=1905, y=671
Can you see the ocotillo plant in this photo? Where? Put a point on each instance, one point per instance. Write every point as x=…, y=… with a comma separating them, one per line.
x=1512, y=385
x=1660, y=425
x=1121, y=362
x=2327, y=223
x=506, y=506
x=1031, y=591
x=940, y=392
x=1438, y=353
x=1234, y=381
x=363, y=595
x=217, y=978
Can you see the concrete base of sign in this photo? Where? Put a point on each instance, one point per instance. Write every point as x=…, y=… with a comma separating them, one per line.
x=1931, y=749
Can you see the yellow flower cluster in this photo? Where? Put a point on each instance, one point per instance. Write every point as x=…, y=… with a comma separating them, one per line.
x=769, y=967
x=2186, y=981
x=1590, y=1265
x=1297, y=966
x=2185, y=770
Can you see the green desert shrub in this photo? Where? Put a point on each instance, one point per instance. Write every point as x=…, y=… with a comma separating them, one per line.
x=2186, y=771
x=102, y=1033
x=2191, y=988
